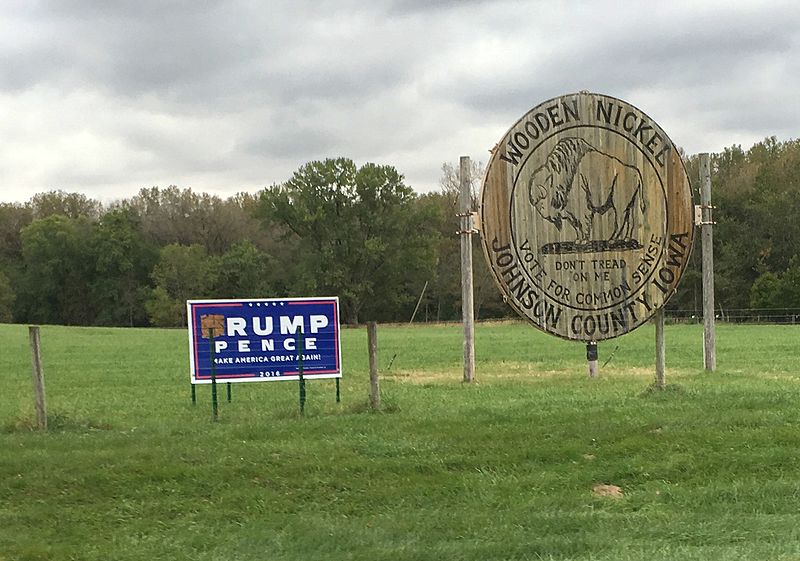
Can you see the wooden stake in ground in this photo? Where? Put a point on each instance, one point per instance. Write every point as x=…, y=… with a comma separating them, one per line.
x=38, y=377
x=591, y=357
x=374, y=384
x=660, y=350
x=418, y=303
x=467, y=307
x=707, y=239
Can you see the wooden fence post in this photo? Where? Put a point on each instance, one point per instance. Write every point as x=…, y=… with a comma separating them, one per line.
x=374, y=384
x=660, y=350
x=707, y=239
x=38, y=377
x=467, y=306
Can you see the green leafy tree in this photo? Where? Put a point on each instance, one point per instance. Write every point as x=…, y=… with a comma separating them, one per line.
x=771, y=290
x=442, y=299
x=6, y=299
x=71, y=205
x=446, y=288
x=182, y=273
x=123, y=262
x=766, y=291
x=13, y=218
x=58, y=271
x=790, y=284
x=163, y=310
x=173, y=215
x=243, y=272
x=359, y=236
x=757, y=194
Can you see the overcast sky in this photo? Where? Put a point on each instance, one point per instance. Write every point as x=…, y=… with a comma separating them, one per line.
x=105, y=97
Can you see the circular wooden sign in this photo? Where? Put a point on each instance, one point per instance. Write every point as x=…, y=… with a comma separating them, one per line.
x=587, y=216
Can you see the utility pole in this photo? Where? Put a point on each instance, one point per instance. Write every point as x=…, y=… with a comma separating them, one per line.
x=706, y=223
x=467, y=307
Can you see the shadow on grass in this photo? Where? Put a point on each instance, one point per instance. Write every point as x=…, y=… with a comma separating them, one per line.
x=56, y=422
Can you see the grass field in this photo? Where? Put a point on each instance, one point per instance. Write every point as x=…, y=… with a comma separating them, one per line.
x=499, y=469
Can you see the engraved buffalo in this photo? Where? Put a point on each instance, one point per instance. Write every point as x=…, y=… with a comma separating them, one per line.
x=598, y=195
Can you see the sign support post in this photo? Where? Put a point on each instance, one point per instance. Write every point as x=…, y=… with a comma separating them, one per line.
x=707, y=239
x=591, y=356
x=467, y=305
x=214, y=404
x=660, y=350
x=301, y=381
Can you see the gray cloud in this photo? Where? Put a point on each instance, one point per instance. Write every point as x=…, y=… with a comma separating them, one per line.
x=110, y=96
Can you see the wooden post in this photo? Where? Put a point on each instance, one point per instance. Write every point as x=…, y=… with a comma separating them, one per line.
x=660, y=350
x=591, y=357
x=416, y=308
x=38, y=377
x=709, y=327
x=467, y=306
x=301, y=381
x=374, y=384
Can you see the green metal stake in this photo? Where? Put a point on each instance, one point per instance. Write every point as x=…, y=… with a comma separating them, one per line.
x=229, y=392
x=194, y=395
x=338, y=398
x=300, y=372
x=214, y=404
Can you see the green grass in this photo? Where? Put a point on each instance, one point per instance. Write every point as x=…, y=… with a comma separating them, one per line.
x=499, y=469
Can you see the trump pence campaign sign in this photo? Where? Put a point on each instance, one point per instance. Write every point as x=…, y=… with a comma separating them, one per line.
x=263, y=339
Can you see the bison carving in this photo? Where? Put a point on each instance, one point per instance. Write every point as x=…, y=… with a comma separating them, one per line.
x=598, y=195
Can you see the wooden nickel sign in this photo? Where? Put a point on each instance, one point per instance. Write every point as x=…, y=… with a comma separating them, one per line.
x=587, y=216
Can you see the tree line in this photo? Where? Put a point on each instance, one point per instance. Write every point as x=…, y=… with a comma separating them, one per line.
x=333, y=229
x=756, y=193
x=336, y=229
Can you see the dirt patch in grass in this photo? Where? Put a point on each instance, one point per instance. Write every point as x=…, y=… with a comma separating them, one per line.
x=611, y=491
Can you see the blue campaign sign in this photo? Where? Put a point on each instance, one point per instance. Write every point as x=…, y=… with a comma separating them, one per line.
x=257, y=340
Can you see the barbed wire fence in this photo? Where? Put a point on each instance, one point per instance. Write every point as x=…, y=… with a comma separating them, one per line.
x=739, y=315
